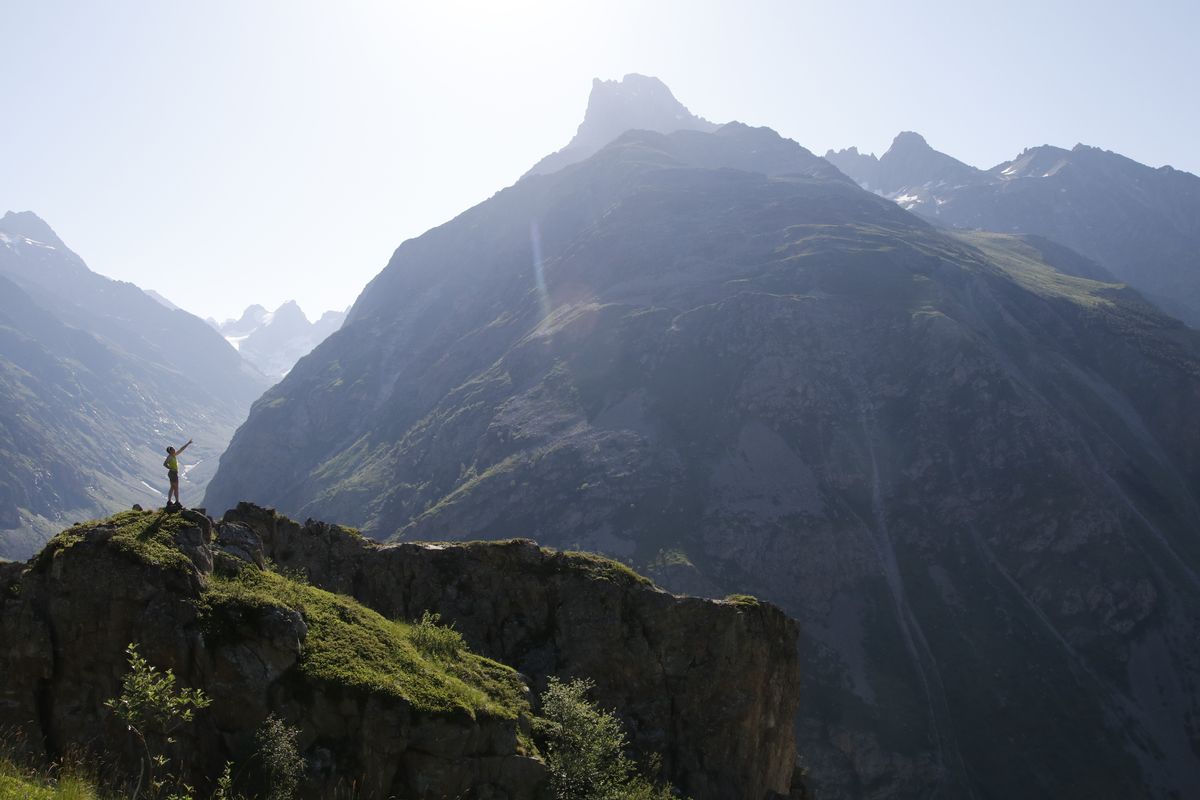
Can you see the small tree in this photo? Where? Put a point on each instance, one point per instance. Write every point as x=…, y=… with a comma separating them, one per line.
x=152, y=710
x=280, y=757
x=585, y=749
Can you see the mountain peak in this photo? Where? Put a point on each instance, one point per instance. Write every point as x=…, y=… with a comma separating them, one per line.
x=31, y=226
x=290, y=311
x=909, y=141
x=636, y=102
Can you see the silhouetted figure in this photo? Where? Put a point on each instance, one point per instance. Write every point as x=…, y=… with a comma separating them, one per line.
x=171, y=462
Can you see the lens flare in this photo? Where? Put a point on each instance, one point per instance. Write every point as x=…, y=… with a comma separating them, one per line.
x=539, y=277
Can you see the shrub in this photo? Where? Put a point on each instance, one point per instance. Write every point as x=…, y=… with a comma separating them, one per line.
x=585, y=749
x=435, y=639
x=280, y=758
x=152, y=710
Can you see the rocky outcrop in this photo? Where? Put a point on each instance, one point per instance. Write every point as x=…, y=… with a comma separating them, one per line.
x=711, y=686
x=65, y=623
x=708, y=685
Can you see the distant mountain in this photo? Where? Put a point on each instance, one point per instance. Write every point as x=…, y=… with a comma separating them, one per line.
x=972, y=474
x=1141, y=224
x=909, y=165
x=96, y=378
x=275, y=340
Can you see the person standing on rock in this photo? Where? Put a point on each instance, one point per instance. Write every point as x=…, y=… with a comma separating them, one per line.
x=171, y=462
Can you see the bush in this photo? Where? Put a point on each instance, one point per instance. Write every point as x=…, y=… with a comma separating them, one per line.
x=585, y=749
x=280, y=758
x=152, y=710
x=434, y=639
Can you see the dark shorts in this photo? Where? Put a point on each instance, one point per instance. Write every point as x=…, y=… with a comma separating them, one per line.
x=173, y=476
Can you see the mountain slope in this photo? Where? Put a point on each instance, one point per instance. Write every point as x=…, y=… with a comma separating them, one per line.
x=1141, y=224
x=96, y=378
x=972, y=477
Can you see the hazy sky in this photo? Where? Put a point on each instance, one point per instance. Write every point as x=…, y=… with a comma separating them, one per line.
x=230, y=152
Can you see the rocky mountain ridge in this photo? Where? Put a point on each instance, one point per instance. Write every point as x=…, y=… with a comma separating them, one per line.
x=1141, y=224
x=710, y=686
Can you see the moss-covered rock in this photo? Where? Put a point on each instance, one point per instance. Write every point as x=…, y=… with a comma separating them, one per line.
x=352, y=646
x=374, y=707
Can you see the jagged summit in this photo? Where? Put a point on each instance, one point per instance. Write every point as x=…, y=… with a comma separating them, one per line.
x=1135, y=221
x=636, y=102
x=274, y=340
x=909, y=141
x=251, y=318
x=909, y=172
x=31, y=226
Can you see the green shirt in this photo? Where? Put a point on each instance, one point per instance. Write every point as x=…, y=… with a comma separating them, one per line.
x=172, y=464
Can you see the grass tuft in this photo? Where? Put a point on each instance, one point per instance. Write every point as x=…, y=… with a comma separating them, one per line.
x=604, y=568
x=22, y=784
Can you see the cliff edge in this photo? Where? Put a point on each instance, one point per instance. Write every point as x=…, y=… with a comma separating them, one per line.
x=306, y=622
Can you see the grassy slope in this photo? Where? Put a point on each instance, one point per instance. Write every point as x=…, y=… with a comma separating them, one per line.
x=352, y=645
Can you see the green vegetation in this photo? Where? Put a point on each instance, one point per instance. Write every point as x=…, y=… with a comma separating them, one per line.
x=20, y=784
x=152, y=710
x=1028, y=268
x=146, y=535
x=672, y=557
x=585, y=749
x=350, y=645
x=280, y=758
x=742, y=600
x=603, y=568
x=435, y=639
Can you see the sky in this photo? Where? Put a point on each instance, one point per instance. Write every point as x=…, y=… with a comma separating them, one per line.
x=228, y=152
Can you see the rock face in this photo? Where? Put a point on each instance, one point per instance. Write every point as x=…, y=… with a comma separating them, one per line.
x=972, y=475
x=712, y=686
x=96, y=379
x=1139, y=223
x=707, y=685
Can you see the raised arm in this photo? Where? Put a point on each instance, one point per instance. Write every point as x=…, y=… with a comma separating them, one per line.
x=185, y=447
